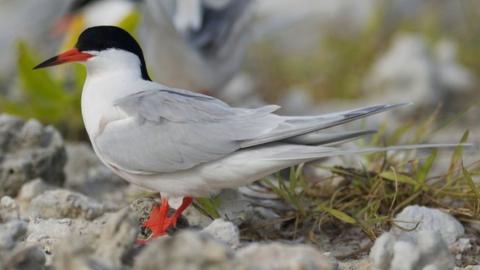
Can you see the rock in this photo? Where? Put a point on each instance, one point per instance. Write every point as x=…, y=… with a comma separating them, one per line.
x=297, y=102
x=76, y=255
x=32, y=189
x=382, y=251
x=362, y=264
x=29, y=191
x=224, y=231
x=80, y=159
x=9, y=209
x=29, y=150
x=470, y=267
x=26, y=258
x=10, y=233
x=106, y=241
x=240, y=92
x=86, y=174
x=282, y=256
x=416, y=218
x=142, y=208
x=460, y=246
x=62, y=203
x=453, y=76
x=406, y=71
x=185, y=250
x=426, y=250
x=466, y=250
x=117, y=238
x=234, y=206
x=48, y=233
x=411, y=72
x=196, y=218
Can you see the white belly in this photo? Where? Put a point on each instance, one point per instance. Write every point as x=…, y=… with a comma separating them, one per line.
x=238, y=169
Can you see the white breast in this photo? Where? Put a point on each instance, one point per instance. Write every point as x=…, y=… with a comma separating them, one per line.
x=112, y=74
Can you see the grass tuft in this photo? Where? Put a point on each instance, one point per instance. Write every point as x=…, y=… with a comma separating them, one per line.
x=372, y=195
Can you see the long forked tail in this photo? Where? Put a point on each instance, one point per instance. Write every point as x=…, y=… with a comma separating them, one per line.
x=307, y=153
x=298, y=126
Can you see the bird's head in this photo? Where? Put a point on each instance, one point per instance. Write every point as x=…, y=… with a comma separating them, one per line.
x=105, y=47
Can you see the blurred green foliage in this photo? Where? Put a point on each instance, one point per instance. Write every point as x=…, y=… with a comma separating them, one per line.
x=48, y=98
x=53, y=96
x=337, y=67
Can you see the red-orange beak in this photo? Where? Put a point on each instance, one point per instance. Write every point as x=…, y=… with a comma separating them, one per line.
x=73, y=55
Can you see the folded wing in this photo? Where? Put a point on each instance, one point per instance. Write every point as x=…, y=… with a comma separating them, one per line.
x=172, y=130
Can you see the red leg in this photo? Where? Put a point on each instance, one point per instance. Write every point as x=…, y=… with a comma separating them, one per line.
x=157, y=219
x=172, y=221
x=159, y=223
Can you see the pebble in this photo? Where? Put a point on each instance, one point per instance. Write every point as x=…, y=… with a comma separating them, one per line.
x=426, y=251
x=117, y=238
x=185, y=250
x=48, y=233
x=62, y=203
x=416, y=218
x=10, y=233
x=9, y=209
x=29, y=150
x=25, y=258
x=225, y=232
x=279, y=256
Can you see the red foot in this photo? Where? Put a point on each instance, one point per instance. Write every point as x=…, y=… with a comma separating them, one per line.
x=159, y=223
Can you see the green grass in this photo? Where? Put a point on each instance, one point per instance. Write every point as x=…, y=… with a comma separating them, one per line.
x=372, y=195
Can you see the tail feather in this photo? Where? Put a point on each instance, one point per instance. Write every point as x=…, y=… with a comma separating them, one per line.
x=308, y=153
x=299, y=125
x=322, y=138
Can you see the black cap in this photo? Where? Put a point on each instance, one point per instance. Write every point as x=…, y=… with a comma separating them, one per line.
x=99, y=38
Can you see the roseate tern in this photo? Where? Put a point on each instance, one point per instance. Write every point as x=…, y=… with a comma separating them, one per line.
x=185, y=144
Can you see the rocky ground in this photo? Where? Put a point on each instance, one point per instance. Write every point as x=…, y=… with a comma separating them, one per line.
x=61, y=209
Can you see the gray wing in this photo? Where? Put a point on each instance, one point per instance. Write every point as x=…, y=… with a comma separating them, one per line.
x=172, y=130
x=168, y=131
x=217, y=25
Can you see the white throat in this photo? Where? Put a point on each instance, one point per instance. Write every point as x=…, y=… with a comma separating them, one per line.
x=111, y=74
x=113, y=62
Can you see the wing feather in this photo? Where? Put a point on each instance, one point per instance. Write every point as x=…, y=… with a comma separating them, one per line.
x=169, y=130
x=175, y=130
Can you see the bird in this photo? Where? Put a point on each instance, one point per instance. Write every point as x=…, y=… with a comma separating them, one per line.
x=82, y=14
x=95, y=12
x=184, y=144
x=203, y=41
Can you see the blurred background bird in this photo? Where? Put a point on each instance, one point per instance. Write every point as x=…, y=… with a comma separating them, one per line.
x=203, y=42
x=82, y=14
